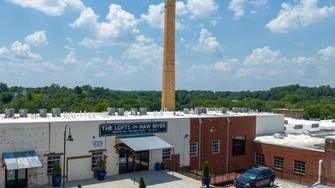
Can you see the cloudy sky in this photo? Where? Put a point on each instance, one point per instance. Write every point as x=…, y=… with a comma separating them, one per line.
x=220, y=44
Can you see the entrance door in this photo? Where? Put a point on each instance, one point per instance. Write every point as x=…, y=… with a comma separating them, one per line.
x=16, y=178
x=127, y=161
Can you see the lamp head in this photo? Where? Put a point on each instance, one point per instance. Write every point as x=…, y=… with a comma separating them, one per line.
x=69, y=138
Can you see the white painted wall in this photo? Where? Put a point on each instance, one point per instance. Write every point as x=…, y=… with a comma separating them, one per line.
x=35, y=136
x=269, y=124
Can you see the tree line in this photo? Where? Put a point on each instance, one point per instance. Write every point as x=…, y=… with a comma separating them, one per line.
x=318, y=102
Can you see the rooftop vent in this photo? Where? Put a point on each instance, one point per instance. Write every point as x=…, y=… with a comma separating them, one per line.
x=9, y=112
x=298, y=126
x=23, y=113
x=133, y=111
x=143, y=111
x=120, y=111
x=111, y=111
x=240, y=110
x=200, y=110
x=55, y=112
x=279, y=135
x=224, y=110
x=43, y=113
x=315, y=125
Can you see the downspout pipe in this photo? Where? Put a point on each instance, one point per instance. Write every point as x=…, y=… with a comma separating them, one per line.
x=319, y=172
x=227, y=147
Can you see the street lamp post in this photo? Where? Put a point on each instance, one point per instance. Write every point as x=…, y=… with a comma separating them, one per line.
x=70, y=139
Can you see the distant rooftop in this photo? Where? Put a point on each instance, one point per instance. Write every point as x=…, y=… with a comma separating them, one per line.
x=303, y=134
x=294, y=141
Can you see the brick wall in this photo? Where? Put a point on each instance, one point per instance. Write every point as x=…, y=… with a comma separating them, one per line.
x=310, y=157
x=238, y=126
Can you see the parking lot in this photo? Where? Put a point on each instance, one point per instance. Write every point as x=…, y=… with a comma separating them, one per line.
x=154, y=179
x=281, y=184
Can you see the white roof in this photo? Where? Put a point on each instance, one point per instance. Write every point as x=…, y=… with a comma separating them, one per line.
x=103, y=116
x=299, y=141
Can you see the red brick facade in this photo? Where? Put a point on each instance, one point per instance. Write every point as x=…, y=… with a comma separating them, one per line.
x=205, y=130
x=311, y=159
x=215, y=128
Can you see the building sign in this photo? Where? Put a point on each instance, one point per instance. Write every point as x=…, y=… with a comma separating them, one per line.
x=98, y=143
x=110, y=129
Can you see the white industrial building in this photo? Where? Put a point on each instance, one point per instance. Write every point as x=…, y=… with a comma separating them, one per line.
x=31, y=145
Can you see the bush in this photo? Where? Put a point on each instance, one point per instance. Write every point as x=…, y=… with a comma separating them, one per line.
x=78, y=186
x=205, y=169
x=101, y=165
x=142, y=183
x=56, y=170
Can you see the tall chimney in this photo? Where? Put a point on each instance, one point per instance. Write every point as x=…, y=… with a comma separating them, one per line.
x=168, y=88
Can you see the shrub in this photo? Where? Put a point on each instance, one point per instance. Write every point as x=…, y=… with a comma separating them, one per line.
x=205, y=169
x=56, y=170
x=101, y=165
x=142, y=183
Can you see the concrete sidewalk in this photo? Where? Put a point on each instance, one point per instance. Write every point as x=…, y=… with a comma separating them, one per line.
x=153, y=179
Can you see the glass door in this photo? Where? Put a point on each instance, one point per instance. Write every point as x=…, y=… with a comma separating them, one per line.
x=16, y=178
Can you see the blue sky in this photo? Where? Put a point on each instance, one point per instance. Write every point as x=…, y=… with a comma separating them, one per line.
x=220, y=45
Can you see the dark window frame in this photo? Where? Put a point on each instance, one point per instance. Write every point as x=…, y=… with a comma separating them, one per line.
x=238, y=145
x=259, y=159
x=299, y=167
x=278, y=162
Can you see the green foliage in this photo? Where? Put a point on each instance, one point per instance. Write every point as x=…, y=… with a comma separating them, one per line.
x=101, y=165
x=142, y=183
x=205, y=169
x=78, y=186
x=318, y=102
x=56, y=170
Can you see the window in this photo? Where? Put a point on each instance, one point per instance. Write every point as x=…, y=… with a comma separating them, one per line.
x=52, y=160
x=216, y=146
x=166, y=154
x=238, y=145
x=194, y=149
x=96, y=156
x=259, y=159
x=299, y=167
x=278, y=162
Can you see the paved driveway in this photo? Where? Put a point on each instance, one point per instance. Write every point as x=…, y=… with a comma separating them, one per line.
x=283, y=184
x=153, y=179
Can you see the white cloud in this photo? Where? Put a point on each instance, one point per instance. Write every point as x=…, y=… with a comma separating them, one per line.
x=302, y=60
x=155, y=15
x=237, y=6
x=50, y=7
x=37, y=38
x=264, y=56
x=3, y=51
x=89, y=43
x=70, y=58
x=145, y=51
x=181, y=8
x=303, y=14
x=201, y=8
x=207, y=42
x=119, y=24
x=22, y=50
x=327, y=53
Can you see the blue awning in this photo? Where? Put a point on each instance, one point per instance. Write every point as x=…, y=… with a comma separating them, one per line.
x=145, y=143
x=21, y=160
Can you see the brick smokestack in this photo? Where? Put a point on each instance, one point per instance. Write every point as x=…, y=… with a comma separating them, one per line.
x=168, y=87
